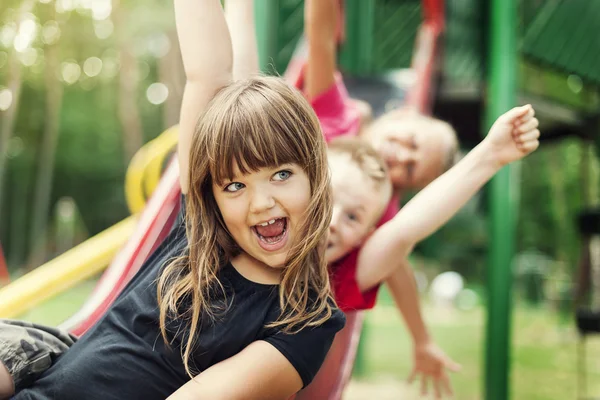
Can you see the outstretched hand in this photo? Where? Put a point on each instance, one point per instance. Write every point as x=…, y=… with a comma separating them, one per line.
x=514, y=135
x=431, y=363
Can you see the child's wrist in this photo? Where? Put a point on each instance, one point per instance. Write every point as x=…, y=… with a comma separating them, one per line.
x=488, y=155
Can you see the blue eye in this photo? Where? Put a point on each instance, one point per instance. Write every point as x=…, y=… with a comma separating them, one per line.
x=234, y=187
x=282, y=175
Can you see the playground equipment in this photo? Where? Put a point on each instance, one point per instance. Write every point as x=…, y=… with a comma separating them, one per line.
x=380, y=37
x=587, y=296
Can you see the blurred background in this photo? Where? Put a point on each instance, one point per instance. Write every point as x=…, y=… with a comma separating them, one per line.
x=85, y=84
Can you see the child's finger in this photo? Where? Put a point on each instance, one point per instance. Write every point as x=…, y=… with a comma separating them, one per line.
x=452, y=365
x=437, y=389
x=424, y=385
x=446, y=384
x=512, y=115
x=526, y=117
x=529, y=136
x=529, y=125
x=530, y=146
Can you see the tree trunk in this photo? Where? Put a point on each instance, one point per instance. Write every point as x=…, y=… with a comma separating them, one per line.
x=171, y=73
x=8, y=118
x=129, y=114
x=43, y=189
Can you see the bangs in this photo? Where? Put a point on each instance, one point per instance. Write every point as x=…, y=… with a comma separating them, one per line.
x=261, y=129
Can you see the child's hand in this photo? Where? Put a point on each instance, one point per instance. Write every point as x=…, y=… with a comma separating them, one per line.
x=431, y=363
x=514, y=135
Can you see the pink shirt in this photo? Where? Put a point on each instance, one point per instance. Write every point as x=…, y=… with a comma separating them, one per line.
x=336, y=112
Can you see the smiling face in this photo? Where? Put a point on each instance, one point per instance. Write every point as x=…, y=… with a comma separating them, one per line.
x=263, y=210
x=361, y=190
x=416, y=149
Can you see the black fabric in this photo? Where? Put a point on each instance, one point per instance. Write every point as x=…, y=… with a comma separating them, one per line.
x=125, y=357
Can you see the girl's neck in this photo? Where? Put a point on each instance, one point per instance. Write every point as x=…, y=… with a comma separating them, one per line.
x=256, y=271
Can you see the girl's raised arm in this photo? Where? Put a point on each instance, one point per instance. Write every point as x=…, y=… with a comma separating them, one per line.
x=321, y=19
x=259, y=372
x=240, y=18
x=207, y=60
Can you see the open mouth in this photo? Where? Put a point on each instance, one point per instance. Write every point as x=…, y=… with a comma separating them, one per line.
x=271, y=234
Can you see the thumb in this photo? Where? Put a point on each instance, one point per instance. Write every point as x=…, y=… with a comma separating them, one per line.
x=515, y=113
x=452, y=365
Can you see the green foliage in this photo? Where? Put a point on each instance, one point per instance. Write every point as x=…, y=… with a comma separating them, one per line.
x=89, y=162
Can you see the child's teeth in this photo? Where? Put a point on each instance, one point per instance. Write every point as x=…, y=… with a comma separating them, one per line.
x=264, y=224
x=271, y=222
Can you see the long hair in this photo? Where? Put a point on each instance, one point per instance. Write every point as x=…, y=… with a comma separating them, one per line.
x=255, y=123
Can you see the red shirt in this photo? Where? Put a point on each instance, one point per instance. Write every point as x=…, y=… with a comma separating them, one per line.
x=339, y=117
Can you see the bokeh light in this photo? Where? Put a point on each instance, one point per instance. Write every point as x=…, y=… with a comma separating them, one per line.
x=64, y=6
x=92, y=66
x=158, y=45
x=70, y=72
x=101, y=9
x=6, y=98
x=157, y=93
x=27, y=32
x=7, y=34
x=103, y=29
x=50, y=32
x=29, y=56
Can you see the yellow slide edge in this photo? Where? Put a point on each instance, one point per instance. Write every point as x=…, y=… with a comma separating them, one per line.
x=65, y=271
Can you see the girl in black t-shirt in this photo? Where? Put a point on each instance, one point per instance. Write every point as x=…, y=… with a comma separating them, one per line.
x=241, y=290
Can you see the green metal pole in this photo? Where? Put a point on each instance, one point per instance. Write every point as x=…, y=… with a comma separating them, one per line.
x=357, y=53
x=266, y=17
x=502, y=74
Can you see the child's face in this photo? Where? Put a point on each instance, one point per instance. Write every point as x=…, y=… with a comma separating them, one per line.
x=357, y=205
x=413, y=152
x=263, y=210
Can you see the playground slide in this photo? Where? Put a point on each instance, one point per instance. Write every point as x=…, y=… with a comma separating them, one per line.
x=153, y=225
x=65, y=271
x=92, y=256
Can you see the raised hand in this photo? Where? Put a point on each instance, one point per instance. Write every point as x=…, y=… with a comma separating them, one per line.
x=431, y=363
x=514, y=135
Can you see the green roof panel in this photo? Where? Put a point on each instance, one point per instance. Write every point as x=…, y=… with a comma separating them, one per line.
x=564, y=35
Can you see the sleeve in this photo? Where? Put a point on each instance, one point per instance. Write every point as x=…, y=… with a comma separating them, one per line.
x=306, y=349
x=337, y=115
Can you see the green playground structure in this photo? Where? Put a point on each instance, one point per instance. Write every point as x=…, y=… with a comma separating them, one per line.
x=485, y=58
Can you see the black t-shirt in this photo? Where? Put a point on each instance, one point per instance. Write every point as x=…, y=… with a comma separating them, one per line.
x=124, y=355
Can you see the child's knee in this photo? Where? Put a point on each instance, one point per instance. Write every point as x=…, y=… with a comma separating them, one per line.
x=28, y=350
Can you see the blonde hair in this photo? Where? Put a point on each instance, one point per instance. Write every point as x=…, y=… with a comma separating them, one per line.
x=369, y=161
x=426, y=122
x=255, y=123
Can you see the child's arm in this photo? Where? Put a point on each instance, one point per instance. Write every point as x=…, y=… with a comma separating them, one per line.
x=259, y=372
x=240, y=18
x=207, y=61
x=320, y=24
x=429, y=360
x=513, y=136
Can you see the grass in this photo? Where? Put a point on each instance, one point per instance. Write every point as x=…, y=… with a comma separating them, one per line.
x=61, y=307
x=544, y=351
